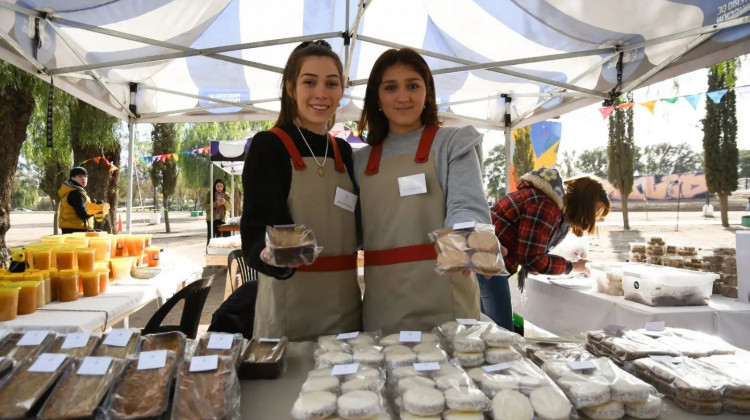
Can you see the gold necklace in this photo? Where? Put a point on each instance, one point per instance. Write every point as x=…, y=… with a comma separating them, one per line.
x=321, y=170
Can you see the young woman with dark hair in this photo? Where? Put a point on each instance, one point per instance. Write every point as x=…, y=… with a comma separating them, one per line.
x=415, y=177
x=219, y=198
x=294, y=174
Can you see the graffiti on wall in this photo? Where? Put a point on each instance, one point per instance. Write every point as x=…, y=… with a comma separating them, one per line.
x=665, y=187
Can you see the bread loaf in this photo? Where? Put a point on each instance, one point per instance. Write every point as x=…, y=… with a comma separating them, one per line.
x=142, y=393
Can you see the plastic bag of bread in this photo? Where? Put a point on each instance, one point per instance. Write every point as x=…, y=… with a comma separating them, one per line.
x=263, y=359
x=207, y=394
x=28, y=347
x=23, y=388
x=468, y=246
x=74, y=346
x=78, y=394
x=144, y=393
x=222, y=344
x=172, y=340
x=291, y=245
x=119, y=343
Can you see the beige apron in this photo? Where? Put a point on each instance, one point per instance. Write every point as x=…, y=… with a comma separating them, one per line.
x=310, y=304
x=408, y=295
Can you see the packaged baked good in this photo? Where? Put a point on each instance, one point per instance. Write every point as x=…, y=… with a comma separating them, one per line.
x=667, y=286
x=725, y=251
x=291, y=245
x=543, y=351
x=638, y=257
x=141, y=394
x=655, y=260
x=6, y=365
x=263, y=359
x=119, y=343
x=229, y=345
x=69, y=345
x=655, y=240
x=608, y=277
x=208, y=394
x=686, y=250
x=77, y=395
x=655, y=250
x=21, y=391
x=468, y=247
x=35, y=343
x=637, y=247
x=173, y=340
x=674, y=261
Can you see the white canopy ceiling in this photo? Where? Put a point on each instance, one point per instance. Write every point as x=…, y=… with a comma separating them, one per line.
x=218, y=60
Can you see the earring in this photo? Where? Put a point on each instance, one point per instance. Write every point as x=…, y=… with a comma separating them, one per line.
x=380, y=109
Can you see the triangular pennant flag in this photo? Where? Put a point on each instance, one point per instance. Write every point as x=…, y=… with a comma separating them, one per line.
x=649, y=105
x=112, y=168
x=606, y=111
x=716, y=95
x=175, y=157
x=156, y=158
x=693, y=99
x=97, y=159
x=79, y=164
x=672, y=100
x=105, y=160
x=207, y=150
x=625, y=106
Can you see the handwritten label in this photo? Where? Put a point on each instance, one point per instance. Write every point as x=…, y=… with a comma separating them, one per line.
x=345, y=200
x=498, y=367
x=33, y=338
x=582, y=364
x=94, y=365
x=220, y=341
x=655, y=326
x=347, y=369
x=464, y=225
x=76, y=340
x=467, y=321
x=412, y=185
x=204, y=363
x=410, y=336
x=156, y=359
x=48, y=362
x=347, y=336
x=118, y=338
x=426, y=367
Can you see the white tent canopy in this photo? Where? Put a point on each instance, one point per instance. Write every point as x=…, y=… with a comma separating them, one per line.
x=497, y=63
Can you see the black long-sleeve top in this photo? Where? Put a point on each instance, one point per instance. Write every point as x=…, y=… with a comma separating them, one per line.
x=77, y=201
x=267, y=180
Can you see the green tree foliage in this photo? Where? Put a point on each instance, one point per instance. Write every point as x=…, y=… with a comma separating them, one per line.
x=593, y=162
x=566, y=164
x=165, y=141
x=494, y=172
x=720, y=153
x=25, y=191
x=621, y=154
x=523, y=155
x=744, y=164
x=665, y=159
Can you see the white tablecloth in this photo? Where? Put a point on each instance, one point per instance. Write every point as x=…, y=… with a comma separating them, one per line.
x=570, y=313
x=123, y=298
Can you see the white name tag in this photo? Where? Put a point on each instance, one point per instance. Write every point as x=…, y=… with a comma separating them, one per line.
x=412, y=185
x=410, y=336
x=581, y=365
x=498, y=367
x=220, y=341
x=464, y=225
x=347, y=336
x=345, y=200
x=655, y=326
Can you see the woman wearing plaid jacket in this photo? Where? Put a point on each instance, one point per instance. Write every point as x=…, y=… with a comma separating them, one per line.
x=532, y=220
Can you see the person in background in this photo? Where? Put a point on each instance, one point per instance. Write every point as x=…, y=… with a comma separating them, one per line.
x=414, y=177
x=296, y=173
x=221, y=205
x=73, y=216
x=747, y=208
x=532, y=220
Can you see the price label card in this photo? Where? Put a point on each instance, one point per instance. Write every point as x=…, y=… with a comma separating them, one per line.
x=464, y=225
x=118, y=338
x=48, y=362
x=410, y=336
x=666, y=359
x=467, y=321
x=220, y=341
x=76, y=340
x=268, y=340
x=613, y=329
x=204, y=363
x=347, y=369
x=655, y=326
x=94, y=365
x=156, y=359
x=498, y=367
x=33, y=338
x=347, y=336
x=425, y=367
x=582, y=364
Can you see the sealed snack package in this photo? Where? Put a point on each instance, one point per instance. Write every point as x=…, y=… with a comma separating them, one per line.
x=474, y=248
x=207, y=394
x=291, y=245
x=222, y=344
x=78, y=394
x=119, y=343
x=172, y=340
x=141, y=394
x=21, y=346
x=263, y=359
x=23, y=388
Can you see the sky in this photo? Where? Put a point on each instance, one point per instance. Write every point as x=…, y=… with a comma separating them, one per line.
x=671, y=123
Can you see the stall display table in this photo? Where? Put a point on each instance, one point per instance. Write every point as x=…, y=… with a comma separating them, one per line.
x=120, y=301
x=570, y=312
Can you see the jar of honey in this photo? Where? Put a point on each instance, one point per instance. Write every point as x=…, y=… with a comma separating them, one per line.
x=67, y=286
x=86, y=258
x=9, y=302
x=90, y=283
x=28, y=296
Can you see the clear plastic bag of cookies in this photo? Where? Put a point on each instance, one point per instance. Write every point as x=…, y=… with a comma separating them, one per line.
x=724, y=250
x=291, y=245
x=637, y=247
x=408, y=347
x=468, y=247
x=655, y=240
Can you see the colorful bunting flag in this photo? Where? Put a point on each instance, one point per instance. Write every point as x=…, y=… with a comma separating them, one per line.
x=672, y=100
x=649, y=105
x=717, y=95
x=606, y=111
x=625, y=106
x=693, y=99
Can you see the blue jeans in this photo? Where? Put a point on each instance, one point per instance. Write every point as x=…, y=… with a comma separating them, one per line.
x=495, y=300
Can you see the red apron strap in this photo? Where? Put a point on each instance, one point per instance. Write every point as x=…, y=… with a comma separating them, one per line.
x=335, y=263
x=337, y=155
x=373, y=162
x=297, y=161
x=400, y=255
x=425, y=143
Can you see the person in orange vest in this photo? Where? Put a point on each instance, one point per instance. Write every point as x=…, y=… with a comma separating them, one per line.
x=72, y=216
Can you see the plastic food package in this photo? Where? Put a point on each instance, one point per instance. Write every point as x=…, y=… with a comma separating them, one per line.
x=291, y=245
x=667, y=286
x=141, y=394
x=173, y=340
x=608, y=277
x=91, y=344
x=628, y=345
x=725, y=251
x=655, y=240
x=637, y=247
x=263, y=359
x=235, y=350
x=21, y=390
x=213, y=394
x=77, y=396
x=9, y=346
x=543, y=351
x=119, y=352
x=674, y=261
x=475, y=249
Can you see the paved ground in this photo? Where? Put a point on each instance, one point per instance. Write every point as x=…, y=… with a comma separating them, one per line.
x=188, y=237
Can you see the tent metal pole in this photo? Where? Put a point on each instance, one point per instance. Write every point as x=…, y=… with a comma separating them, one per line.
x=211, y=197
x=508, y=131
x=131, y=167
x=205, y=98
x=231, y=203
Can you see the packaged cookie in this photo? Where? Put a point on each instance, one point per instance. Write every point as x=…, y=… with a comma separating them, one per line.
x=686, y=250
x=119, y=343
x=22, y=390
x=725, y=251
x=655, y=250
x=655, y=240
x=638, y=257
x=20, y=346
x=637, y=247
x=207, y=394
x=141, y=393
x=263, y=359
x=291, y=245
x=222, y=344
x=469, y=246
x=172, y=340
x=76, y=344
x=674, y=261
x=671, y=249
x=543, y=351
x=78, y=393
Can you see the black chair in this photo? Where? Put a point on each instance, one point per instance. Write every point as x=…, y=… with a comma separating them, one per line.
x=238, y=272
x=195, y=295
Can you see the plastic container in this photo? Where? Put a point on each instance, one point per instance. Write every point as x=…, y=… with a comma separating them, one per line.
x=67, y=285
x=103, y=275
x=674, y=261
x=53, y=239
x=54, y=284
x=27, y=296
x=9, y=302
x=121, y=267
x=41, y=257
x=608, y=277
x=86, y=258
x=152, y=256
x=65, y=258
x=136, y=244
x=120, y=249
x=102, y=246
x=113, y=245
x=77, y=242
x=667, y=286
x=90, y=282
